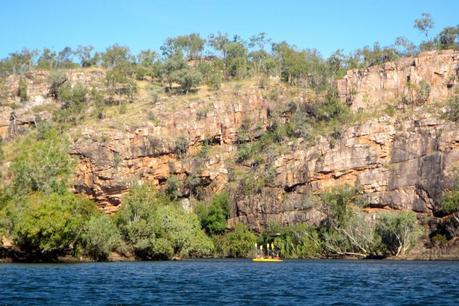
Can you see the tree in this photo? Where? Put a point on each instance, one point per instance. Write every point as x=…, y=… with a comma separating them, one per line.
x=64, y=58
x=448, y=38
x=240, y=242
x=260, y=40
x=47, y=59
x=214, y=216
x=42, y=165
x=116, y=55
x=398, y=231
x=424, y=24
x=100, y=237
x=120, y=84
x=293, y=64
x=73, y=102
x=156, y=228
x=22, y=90
x=188, y=78
x=20, y=62
x=84, y=53
x=219, y=42
x=236, y=59
x=293, y=241
x=176, y=70
x=46, y=226
x=408, y=47
x=190, y=45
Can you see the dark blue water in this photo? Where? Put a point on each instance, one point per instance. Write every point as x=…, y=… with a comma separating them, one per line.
x=232, y=282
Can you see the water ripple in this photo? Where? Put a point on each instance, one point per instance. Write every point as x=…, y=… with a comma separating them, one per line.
x=235, y=282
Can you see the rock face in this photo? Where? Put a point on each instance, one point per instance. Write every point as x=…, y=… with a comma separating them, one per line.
x=431, y=76
x=399, y=163
x=16, y=117
x=112, y=162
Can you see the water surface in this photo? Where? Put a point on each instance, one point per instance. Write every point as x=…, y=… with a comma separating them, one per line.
x=210, y=282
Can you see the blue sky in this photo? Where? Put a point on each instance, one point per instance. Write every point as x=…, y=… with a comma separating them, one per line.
x=326, y=25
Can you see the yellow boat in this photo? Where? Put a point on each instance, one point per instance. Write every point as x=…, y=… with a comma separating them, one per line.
x=262, y=259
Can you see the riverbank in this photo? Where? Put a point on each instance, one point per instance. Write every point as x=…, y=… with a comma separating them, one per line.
x=14, y=256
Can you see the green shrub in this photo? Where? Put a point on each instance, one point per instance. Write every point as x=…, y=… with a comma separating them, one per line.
x=452, y=109
x=173, y=188
x=398, y=231
x=181, y=146
x=42, y=164
x=100, y=237
x=22, y=90
x=214, y=216
x=119, y=83
x=294, y=241
x=450, y=203
x=73, y=103
x=330, y=109
x=335, y=204
x=424, y=91
x=239, y=243
x=214, y=81
x=156, y=228
x=55, y=80
x=48, y=225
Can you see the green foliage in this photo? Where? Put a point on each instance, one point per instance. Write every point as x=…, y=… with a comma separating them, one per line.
x=330, y=109
x=398, y=231
x=22, y=90
x=238, y=243
x=115, y=56
x=47, y=225
x=156, y=228
x=47, y=60
x=84, y=53
x=120, y=84
x=176, y=70
x=42, y=164
x=293, y=241
x=214, y=216
x=188, y=78
x=173, y=188
x=73, y=103
x=191, y=45
x=55, y=80
x=424, y=24
x=448, y=38
x=450, y=203
x=452, y=109
x=236, y=60
x=335, y=204
x=181, y=146
x=100, y=236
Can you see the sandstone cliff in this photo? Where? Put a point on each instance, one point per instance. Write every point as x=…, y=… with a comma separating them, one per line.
x=400, y=161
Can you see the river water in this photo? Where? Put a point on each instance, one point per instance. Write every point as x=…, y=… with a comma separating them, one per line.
x=210, y=282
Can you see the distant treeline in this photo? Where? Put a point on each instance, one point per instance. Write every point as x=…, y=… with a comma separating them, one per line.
x=191, y=60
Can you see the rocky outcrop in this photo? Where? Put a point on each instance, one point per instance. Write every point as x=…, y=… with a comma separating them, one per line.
x=16, y=117
x=398, y=162
x=111, y=161
x=397, y=165
x=430, y=76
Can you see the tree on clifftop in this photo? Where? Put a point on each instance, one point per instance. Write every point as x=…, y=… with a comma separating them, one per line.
x=424, y=24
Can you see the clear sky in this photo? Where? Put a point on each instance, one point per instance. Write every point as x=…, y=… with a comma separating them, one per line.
x=326, y=25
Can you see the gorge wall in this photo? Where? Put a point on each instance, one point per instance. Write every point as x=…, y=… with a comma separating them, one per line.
x=399, y=162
